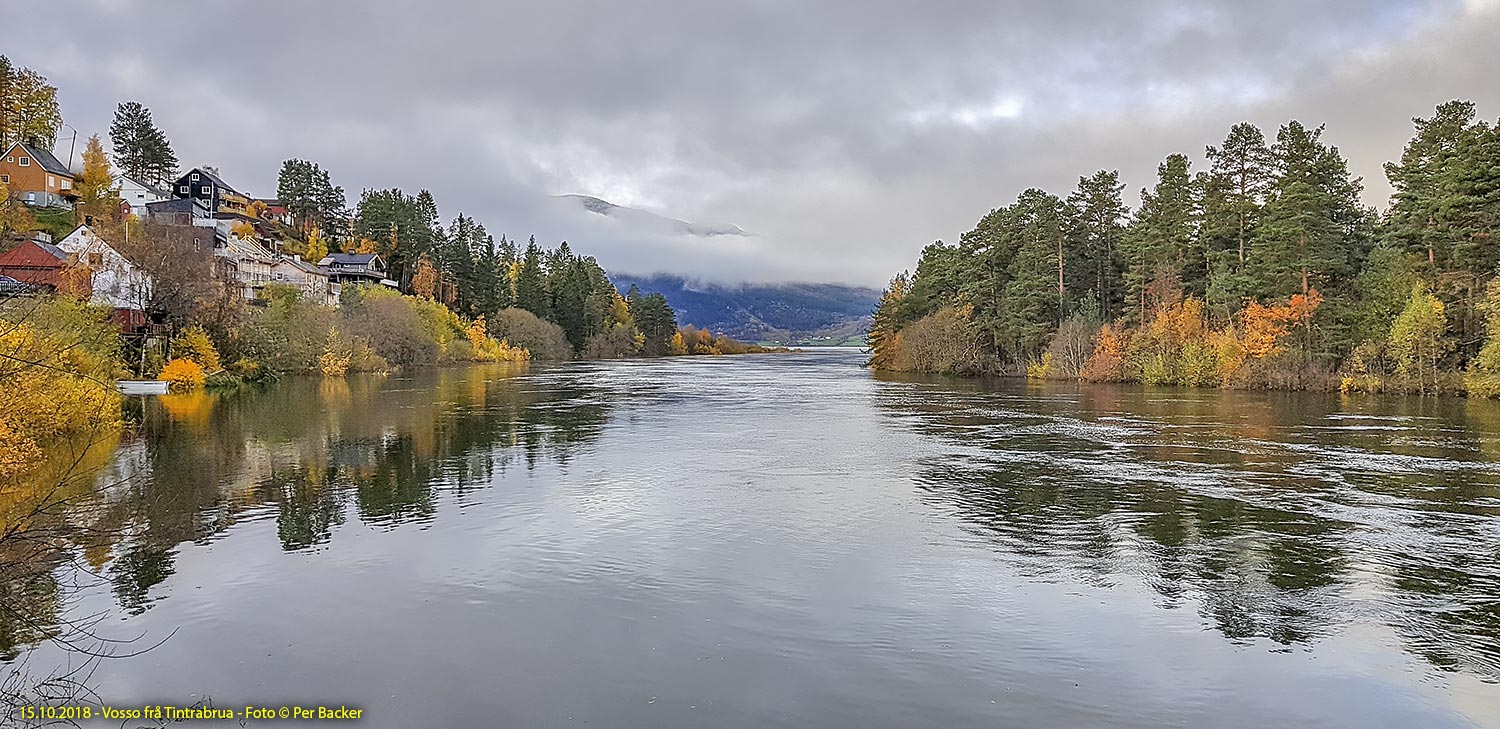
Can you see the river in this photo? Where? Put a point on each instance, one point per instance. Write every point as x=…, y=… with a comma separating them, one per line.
x=795, y=541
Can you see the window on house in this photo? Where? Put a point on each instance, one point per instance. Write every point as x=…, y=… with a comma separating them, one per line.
x=25, y=161
x=96, y=260
x=67, y=184
x=182, y=189
x=207, y=190
x=5, y=179
x=30, y=197
x=194, y=178
x=51, y=181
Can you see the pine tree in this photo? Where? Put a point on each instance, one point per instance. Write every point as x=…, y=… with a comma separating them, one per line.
x=1161, y=243
x=1096, y=214
x=400, y=225
x=1242, y=169
x=308, y=192
x=141, y=149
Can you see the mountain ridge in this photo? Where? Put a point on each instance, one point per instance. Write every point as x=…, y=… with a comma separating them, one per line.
x=647, y=220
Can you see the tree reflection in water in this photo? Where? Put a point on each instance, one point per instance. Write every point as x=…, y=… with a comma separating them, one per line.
x=1280, y=516
x=308, y=450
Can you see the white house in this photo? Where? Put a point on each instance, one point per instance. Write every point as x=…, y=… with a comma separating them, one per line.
x=114, y=280
x=138, y=194
x=314, y=282
x=244, y=262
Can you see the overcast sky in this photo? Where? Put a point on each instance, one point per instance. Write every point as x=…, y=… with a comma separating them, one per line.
x=844, y=135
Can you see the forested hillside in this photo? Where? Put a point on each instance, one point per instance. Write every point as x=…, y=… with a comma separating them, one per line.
x=1256, y=265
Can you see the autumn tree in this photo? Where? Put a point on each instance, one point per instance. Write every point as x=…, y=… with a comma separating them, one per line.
x=141, y=149
x=1417, y=342
x=98, y=198
x=28, y=107
x=15, y=216
x=424, y=280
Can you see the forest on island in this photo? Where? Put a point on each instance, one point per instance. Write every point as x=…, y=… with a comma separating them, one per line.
x=1260, y=269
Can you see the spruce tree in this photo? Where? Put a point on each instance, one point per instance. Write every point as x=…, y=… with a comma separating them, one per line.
x=531, y=287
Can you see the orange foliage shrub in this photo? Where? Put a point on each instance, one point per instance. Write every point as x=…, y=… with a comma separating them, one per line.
x=1107, y=364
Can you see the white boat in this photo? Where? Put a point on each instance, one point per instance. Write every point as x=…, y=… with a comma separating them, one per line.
x=143, y=387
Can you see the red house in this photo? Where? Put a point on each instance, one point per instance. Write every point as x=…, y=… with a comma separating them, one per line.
x=37, y=264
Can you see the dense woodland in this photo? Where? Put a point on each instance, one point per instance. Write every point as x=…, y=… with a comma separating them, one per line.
x=1262, y=269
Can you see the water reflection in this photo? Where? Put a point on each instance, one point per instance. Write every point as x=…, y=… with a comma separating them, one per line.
x=1277, y=516
x=308, y=451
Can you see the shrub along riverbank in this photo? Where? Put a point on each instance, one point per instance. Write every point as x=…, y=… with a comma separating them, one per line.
x=1263, y=271
x=60, y=358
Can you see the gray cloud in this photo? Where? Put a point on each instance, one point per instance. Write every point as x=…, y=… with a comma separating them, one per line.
x=845, y=134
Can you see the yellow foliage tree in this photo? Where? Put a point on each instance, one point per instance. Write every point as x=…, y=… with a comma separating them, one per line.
x=97, y=196
x=15, y=217
x=183, y=374
x=1417, y=342
x=334, y=359
x=317, y=248
x=193, y=343
x=243, y=230
x=57, y=365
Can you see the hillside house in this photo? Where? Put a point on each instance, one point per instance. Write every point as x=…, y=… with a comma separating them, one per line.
x=114, y=280
x=37, y=178
x=137, y=195
x=204, y=185
x=244, y=264
x=355, y=268
x=37, y=264
x=180, y=211
x=274, y=210
x=313, y=281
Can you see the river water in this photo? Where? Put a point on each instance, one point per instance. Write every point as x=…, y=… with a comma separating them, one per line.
x=792, y=540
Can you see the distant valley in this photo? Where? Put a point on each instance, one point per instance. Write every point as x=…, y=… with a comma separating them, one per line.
x=792, y=313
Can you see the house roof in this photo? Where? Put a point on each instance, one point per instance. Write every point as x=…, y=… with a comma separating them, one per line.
x=303, y=266
x=350, y=259
x=56, y=252
x=11, y=287
x=34, y=254
x=214, y=178
x=45, y=159
x=245, y=249
x=153, y=189
x=176, y=205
